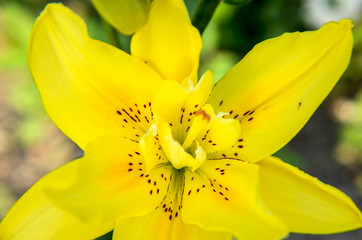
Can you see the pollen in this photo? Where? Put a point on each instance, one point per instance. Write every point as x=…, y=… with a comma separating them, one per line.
x=204, y=115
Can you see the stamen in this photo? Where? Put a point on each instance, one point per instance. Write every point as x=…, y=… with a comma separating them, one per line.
x=173, y=150
x=150, y=149
x=175, y=153
x=200, y=157
x=202, y=120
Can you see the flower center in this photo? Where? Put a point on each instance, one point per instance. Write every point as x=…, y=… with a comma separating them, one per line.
x=190, y=153
x=206, y=134
x=186, y=128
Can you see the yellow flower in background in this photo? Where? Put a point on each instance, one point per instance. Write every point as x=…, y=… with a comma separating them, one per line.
x=125, y=15
x=167, y=157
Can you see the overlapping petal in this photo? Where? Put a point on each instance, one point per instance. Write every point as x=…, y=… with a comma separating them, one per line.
x=168, y=42
x=182, y=103
x=125, y=15
x=158, y=226
x=112, y=182
x=35, y=217
x=275, y=89
x=305, y=204
x=88, y=88
x=223, y=195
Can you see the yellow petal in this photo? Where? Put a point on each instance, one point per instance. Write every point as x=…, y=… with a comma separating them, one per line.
x=177, y=105
x=203, y=120
x=175, y=153
x=88, y=88
x=165, y=222
x=113, y=182
x=305, y=204
x=222, y=135
x=126, y=16
x=151, y=150
x=169, y=102
x=158, y=226
x=168, y=42
x=34, y=217
x=195, y=103
x=224, y=195
x=199, y=94
x=275, y=89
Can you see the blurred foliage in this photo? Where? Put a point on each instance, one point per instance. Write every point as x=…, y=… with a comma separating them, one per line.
x=236, y=1
x=107, y=236
x=16, y=40
x=242, y=27
x=22, y=96
x=351, y=131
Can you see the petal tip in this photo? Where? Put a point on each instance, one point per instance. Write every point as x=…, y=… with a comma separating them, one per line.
x=346, y=22
x=52, y=7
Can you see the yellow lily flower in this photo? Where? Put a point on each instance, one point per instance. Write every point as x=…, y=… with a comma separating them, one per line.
x=167, y=157
x=125, y=15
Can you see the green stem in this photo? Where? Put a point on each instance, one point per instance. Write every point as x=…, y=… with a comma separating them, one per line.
x=203, y=13
x=112, y=35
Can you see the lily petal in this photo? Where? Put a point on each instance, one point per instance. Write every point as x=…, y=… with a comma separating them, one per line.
x=223, y=133
x=183, y=102
x=113, y=183
x=88, y=88
x=168, y=42
x=151, y=150
x=34, y=217
x=158, y=226
x=305, y=204
x=223, y=195
x=275, y=89
x=126, y=16
x=171, y=97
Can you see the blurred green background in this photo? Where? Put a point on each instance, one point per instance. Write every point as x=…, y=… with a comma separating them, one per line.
x=329, y=147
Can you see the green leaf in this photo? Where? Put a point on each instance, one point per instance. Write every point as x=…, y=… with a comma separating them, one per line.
x=236, y=1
